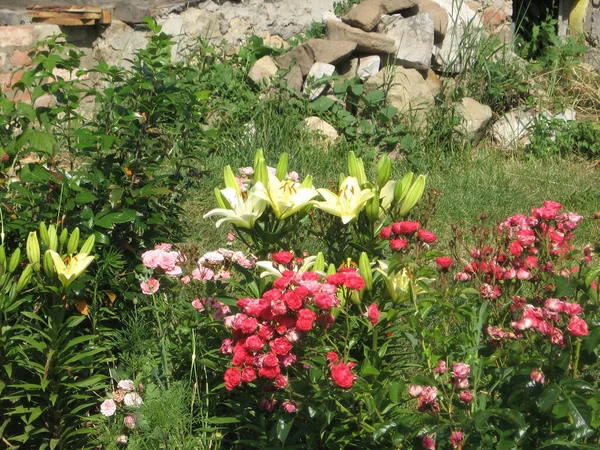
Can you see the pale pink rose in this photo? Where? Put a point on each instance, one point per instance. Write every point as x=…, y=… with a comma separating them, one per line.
x=246, y=171
x=129, y=421
x=230, y=237
x=168, y=260
x=441, y=367
x=164, y=247
x=289, y=406
x=122, y=439
x=174, y=271
x=227, y=347
x=537, y=375
x=415, y=390
x=462, y=276
x=554, y=304
x=429, y=394
x=108, y=407
x=523, y=274
x=132, y=399
x=212, y=258
x=151, y=258
x=126, y=385
x=288, y=360
x=150, y=287
x=185, y=280
x=198, y=304
x=293, y=176
x=462, y=383
x=202, y=274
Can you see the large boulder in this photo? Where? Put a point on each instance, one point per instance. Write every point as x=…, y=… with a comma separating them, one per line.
x=365, y=15
x=365, y=42
x=438, y=14
x=263, y=70
x=414, y=40
x=406, y=89
x=303, y=57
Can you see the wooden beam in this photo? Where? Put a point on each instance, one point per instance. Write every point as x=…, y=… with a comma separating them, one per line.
x=65, y=15
x=105, y=17
x=67, y=21
x=72, y=9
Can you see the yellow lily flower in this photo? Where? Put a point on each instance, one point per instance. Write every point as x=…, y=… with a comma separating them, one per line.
x=76, y=266
x=245, y=207
x=400, y=284
x=349, y=201
x=286, y=197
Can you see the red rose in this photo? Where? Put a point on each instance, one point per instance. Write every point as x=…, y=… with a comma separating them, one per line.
x=248, y=375
x=398, y=244
x=281, y=381
x=305, y=320
x=324, y=301
x=4, y=157
x=385, y=233
x=342, y=376
x=373, y=313
x=233, y=378
x=249, y=325
x=283, y=257
x=572, y=309
x=444, y=262
x=332, y=357
x=578, y=327
x=269, y=372
x=409, y=227
x=526, y=237
x=337, y=278
x=293, y=300
x=426, y=236
x=354, y=281
x=255, y=343
x=281, y=346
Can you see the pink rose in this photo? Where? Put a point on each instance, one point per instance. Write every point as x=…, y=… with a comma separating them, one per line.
x=129, y=421
x=537, y=375
x=466, y=396
x=461, y=370
x=441, y=367
x=373, y=313
x=415, y=390
x=342, y=376
x=233, y=378
x=428, y=443
x=289, y=406
x=578, y=326
x=456, y=439
x=426, y=236
x=149, y=287
x=108, y=407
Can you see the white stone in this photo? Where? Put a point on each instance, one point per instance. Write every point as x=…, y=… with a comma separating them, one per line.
x=329, y=15
x=317, y=124
x=312, y=87
x=201, y=23
x=368, y=66
x=118, y=44
x=567, y=115
x=414, y=40
x=511, y=128
x=475, y=117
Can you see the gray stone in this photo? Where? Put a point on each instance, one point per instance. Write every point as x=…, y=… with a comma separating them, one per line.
x=313, y=88
x=200, y=24
x=475, y=118
x=294, y=79
x=512, y=128
x=263, y=70
x=322, y=127
x=406, y=89
x=44, y=31
x=391, y=6
x=303, y=57
x=438, y=14
x=414, y=40
x=365, y=15
x=118, y=44
x=330, y=52
x=365, y=42
x=368, y=66
x=238, y=29
x=387, y=20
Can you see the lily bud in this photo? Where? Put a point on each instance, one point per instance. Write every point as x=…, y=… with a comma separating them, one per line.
x=64, y=235
x=12, y=295
x=73, y=241
x=48, y=264
x=2, y=256
x=414, y=195
x=384, y=171
x=52, y=238
x=14, y=261
x=307, y=182
x=364, y=269
x=231, y=180
x=372, y=208
x=401, y=188
x=260, y=154
x=319, y=265
x=353, y=165
x=331, y=269
x=261, y=174
x=24, y=278
x=282, y=166
x=88, y=245
x=44, y=234
x=33, y=250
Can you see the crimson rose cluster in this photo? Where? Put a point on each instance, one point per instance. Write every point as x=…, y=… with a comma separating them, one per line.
x=268, y=332
x=401, y=234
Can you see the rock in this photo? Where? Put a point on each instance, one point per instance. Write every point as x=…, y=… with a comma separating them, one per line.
x=303, y=57
x=433, y=81
x=318, y=125
x=391, y=6
x=387, y=20
x=567, y=115
x=438, y=14
x=330, y=52
x=414, y=40
x=365, y=42
x=16, y=36
x=20, y=59
x=45, y=101
x=44, y=31
x=407, y=90
x=329, y=15
x=3, y=58
x=365, y=15
x=263, y=70
x=512, y=127
x=173, y=26
x=312, y=87
x=199, y=23
x=237, y=30
x=349, y=69
x=118, y=44
x=494, y=16
x=368, y=66
x=274, y=41
x=475, y=117
x=294, y=79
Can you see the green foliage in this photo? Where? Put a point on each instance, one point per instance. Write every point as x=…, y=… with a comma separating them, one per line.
x=561, y=138
x=52, y=360
x=342, y=7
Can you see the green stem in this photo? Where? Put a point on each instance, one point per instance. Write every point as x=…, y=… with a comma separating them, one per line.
x=576, y=364
x=375, y=336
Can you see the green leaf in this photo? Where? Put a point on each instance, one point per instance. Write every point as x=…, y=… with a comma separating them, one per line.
x=105, y=220
x=394, y=389
x=322, y=104
x=550, y=395
x=283, y=429
x=85, y=197
x=221, y=420
x=580, y=411
x=37, y=412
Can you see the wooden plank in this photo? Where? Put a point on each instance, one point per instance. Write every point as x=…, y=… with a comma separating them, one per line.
x=71, y=9
x=64, y=15
x=66, y=21
x=105, y=17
